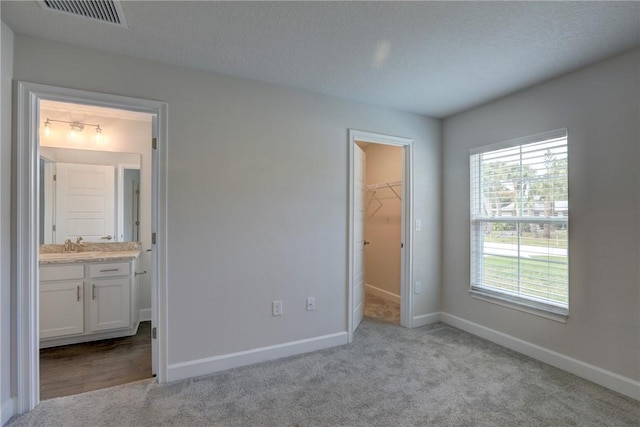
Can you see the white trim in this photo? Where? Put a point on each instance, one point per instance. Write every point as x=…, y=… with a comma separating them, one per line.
x=406, y=269
x=145, y=314
x=521, y=304
x=27, y=225
x=389, y=296
x=55, y=342
x=120, y=196
x=426, y=319
x=210, y=365
x=611, y=380
x=7, y=410
x=538, y=137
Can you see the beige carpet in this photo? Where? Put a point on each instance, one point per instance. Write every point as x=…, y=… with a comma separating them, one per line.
x=389, y=376
x=381, y=309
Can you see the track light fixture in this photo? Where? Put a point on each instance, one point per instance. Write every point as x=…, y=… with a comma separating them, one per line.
x=76, y=128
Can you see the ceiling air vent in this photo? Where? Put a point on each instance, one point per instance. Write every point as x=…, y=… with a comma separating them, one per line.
x=109, y=11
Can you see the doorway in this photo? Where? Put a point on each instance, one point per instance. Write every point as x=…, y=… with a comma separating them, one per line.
x=367, y=201
x=98, y=158
x=36, y=106
x=383, y=175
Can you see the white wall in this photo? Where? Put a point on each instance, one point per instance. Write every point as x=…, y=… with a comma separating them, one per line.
x=383, y=223
x=599, y=106
x=5, y=225
x=257, y=195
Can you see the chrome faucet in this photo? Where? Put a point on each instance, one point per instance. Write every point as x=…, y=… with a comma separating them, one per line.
x=78, y=240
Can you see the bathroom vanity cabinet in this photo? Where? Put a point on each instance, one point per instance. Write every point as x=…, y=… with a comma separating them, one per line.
x=88, y=299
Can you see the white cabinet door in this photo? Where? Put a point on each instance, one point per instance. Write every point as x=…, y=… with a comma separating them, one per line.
x=85, y=202
x=110, y=303
x=61, y=309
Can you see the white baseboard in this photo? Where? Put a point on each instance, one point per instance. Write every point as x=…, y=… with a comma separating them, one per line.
x=145, y=314
x=611, y=380
x=209, y=365
x=389, y=296
x=425, y=319
x=7, y=410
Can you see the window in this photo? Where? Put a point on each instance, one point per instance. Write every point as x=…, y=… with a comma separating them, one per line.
x=520, y=223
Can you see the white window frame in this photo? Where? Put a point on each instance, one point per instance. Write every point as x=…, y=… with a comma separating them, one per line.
x=531, y=305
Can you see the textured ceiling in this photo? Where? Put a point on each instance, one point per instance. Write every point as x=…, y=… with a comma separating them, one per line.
x=431, y=58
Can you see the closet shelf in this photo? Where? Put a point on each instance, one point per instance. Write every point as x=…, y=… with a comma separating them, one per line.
x=373, y=188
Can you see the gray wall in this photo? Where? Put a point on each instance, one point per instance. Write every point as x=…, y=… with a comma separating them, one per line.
x=5, y=222
x=257, y=194
x=599, y=106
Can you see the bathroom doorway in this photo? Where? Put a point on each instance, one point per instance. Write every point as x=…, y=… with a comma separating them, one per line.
x=88, y=136
x=94, y=163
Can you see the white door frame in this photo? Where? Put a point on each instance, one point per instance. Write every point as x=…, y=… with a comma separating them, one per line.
x=406, y=260
x=120, y=168
x=29, y=96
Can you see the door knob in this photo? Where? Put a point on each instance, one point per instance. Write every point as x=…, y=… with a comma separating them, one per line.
x=109, y=237
x=366, y=243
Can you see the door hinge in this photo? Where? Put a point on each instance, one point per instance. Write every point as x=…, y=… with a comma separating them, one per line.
x=153, y=238
x=154, y=143
x=54, y=227
x=401, y=245
x=55, y=177
x=154, y=333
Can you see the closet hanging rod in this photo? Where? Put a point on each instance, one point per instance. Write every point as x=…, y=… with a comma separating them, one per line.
x=372, y=188
x=384, y=185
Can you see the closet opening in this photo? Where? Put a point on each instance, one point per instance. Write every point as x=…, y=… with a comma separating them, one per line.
x=384, y=165
x=380, y=234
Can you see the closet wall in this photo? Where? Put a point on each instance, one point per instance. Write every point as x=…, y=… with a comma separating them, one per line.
x=383, y=221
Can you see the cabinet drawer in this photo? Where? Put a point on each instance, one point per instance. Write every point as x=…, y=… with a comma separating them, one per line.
x=109, y=269
x=61, y=272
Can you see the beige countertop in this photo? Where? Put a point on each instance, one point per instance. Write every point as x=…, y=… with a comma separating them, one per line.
x=89, y=256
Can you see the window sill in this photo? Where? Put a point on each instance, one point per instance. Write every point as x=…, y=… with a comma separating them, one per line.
x=541, y=310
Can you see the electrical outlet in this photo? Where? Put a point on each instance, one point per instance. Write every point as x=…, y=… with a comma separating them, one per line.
x=311, y=304
x=417, y=288
x=276, y=308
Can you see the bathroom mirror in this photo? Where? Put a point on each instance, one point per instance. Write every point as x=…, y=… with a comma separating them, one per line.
x=90, y=194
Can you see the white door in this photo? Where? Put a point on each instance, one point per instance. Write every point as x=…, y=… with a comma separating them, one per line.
x=85, y=202
x=358, y=235
x=110, y=304
x=61, y=309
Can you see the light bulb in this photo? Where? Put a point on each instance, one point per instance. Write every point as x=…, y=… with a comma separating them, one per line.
x=76, y=128
x=47, y=128
x=98, y=136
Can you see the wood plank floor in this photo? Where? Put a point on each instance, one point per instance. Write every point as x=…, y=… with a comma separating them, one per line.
x=78, y=368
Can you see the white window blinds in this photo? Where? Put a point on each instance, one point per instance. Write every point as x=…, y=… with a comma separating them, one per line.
x=520, y=221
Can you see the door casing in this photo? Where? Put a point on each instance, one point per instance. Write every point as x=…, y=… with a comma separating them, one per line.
x=406, y=261
x=26, y=211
